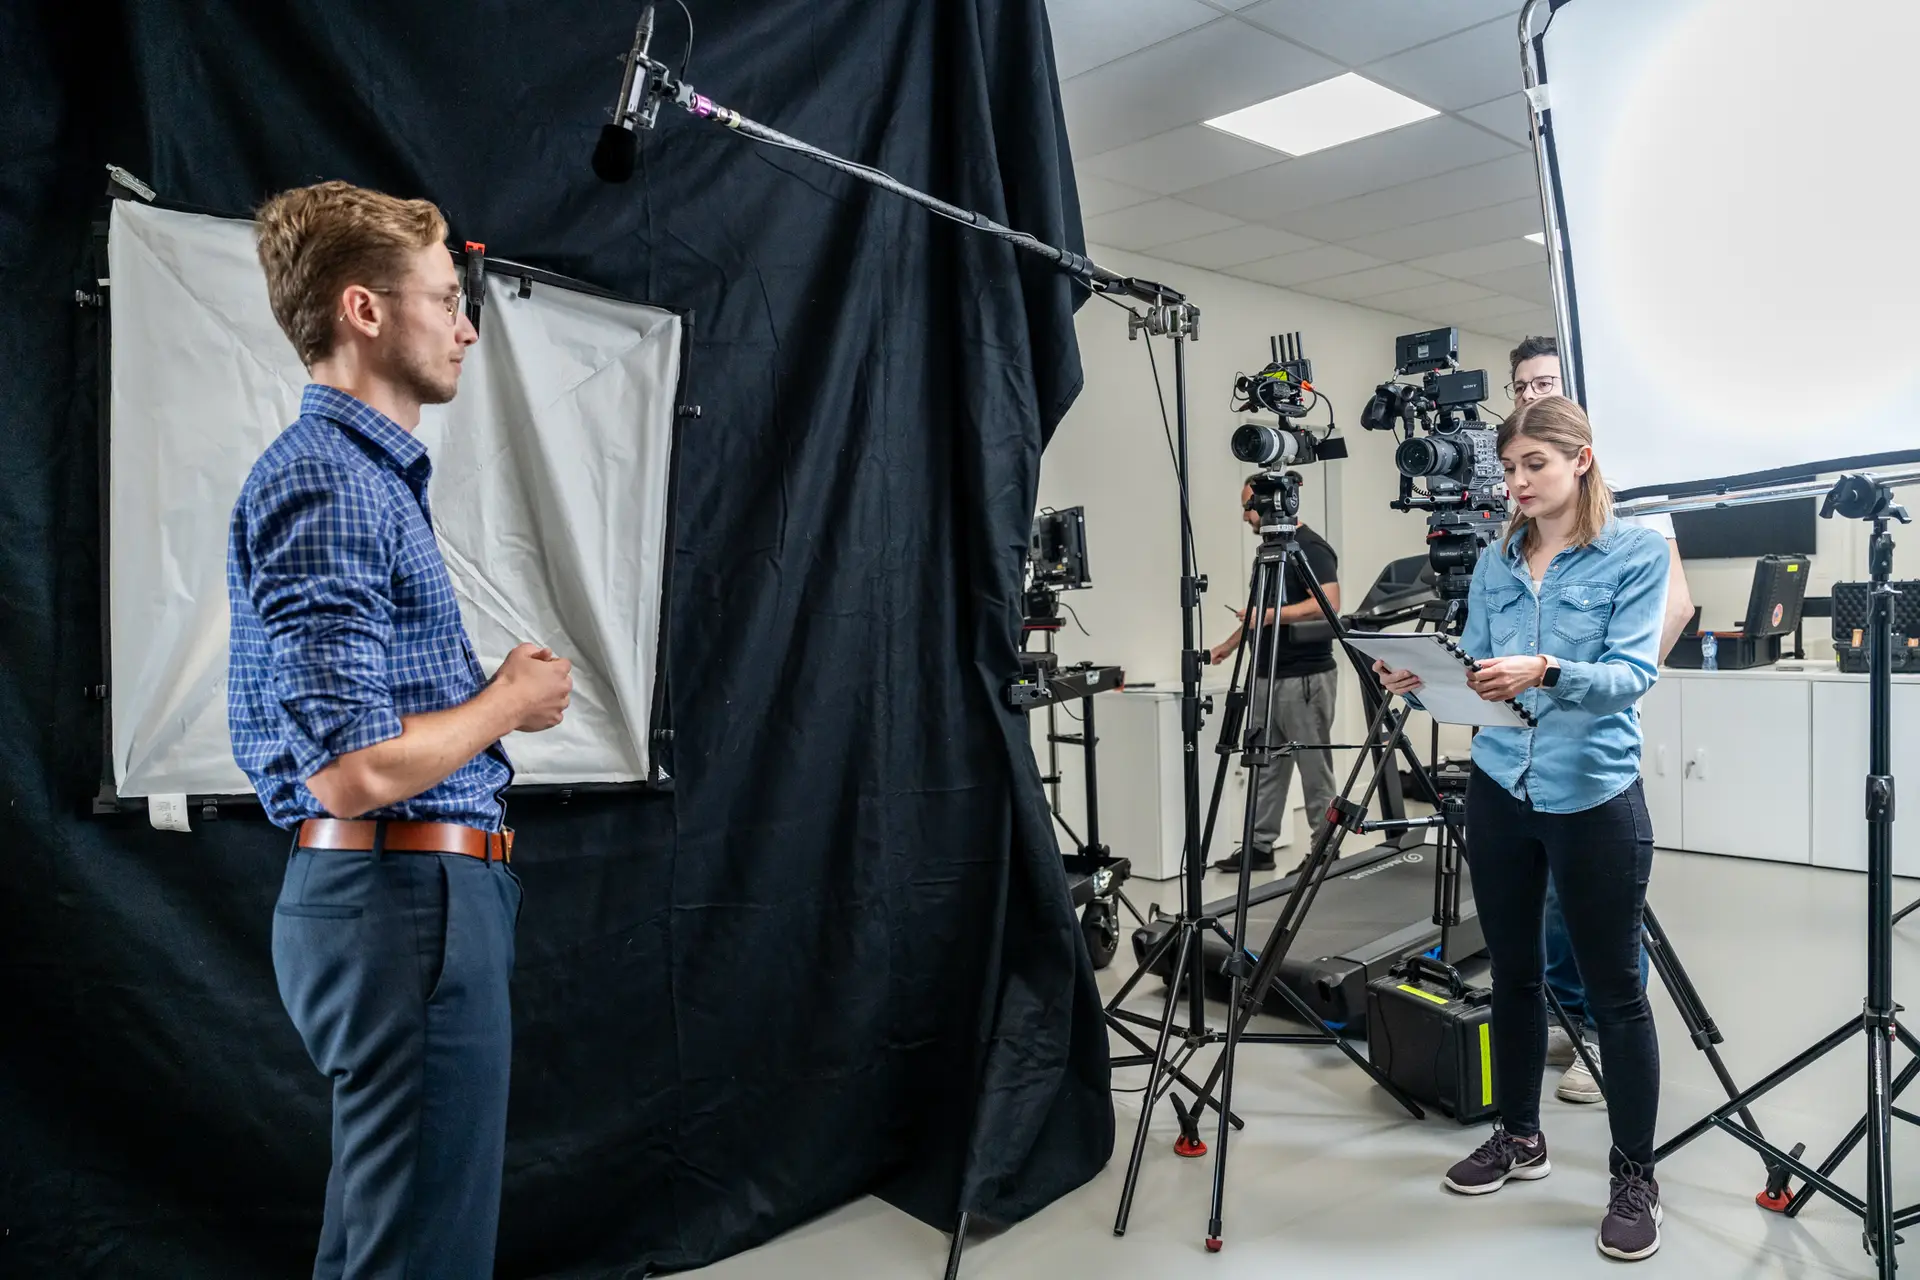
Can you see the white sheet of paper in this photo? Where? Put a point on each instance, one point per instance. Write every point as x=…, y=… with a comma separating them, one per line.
x=1443, y=677
x=168, y=813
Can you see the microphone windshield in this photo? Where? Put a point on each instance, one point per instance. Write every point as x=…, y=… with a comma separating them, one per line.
x=613, y=155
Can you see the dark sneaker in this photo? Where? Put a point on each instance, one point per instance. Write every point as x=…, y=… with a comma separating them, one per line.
x=1231, y=863
x=1500, y=1158
x=1631, y=1229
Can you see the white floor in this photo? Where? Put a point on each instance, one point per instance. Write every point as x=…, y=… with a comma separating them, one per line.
x=1329, y=1178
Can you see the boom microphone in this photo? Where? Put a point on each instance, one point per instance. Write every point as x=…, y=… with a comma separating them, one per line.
x=614, y=154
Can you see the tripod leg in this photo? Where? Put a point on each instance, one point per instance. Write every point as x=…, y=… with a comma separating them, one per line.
x=958, y=1247
x=1880, y=1239
x=1855, y=1136
x=1266, y=590
x=1153, y=1083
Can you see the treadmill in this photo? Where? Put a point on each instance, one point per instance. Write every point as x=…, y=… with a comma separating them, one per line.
x=1375, y=908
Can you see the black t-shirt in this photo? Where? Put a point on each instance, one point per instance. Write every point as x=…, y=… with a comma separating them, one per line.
x=1312, y=658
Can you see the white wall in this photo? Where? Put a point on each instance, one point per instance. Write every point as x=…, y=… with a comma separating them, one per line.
x=1110, y=456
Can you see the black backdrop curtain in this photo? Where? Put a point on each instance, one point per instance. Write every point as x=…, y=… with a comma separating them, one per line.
x=839, y=957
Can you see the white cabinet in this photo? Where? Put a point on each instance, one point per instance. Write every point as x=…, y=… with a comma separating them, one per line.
x=1661, y=761
x=1746, y=743
x=1772, y=764
x=1840, y=771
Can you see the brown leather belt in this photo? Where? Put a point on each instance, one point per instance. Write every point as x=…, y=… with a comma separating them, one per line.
x=357, y=836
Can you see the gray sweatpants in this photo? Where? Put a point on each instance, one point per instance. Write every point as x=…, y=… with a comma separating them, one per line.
x=1302, y=712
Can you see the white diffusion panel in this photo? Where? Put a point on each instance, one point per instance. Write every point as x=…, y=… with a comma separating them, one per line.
x=550, y=491
x=1737, y=204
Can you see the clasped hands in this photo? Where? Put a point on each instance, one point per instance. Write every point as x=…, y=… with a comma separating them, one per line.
x=1494, y=679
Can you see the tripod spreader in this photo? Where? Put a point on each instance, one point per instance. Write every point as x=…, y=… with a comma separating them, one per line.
x=1402, y=824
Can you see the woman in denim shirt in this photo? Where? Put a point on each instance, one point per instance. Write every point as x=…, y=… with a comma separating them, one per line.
x=1565, y=615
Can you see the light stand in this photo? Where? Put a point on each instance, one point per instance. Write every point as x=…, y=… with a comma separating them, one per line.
x=1858, y=497
x=1164, y=313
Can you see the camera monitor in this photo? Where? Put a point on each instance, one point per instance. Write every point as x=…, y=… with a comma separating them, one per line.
x=1058, y=550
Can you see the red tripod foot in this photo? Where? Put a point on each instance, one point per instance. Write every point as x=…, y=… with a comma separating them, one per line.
x=1191, y=1148
x=1213, y=1244
x=1775, y=1201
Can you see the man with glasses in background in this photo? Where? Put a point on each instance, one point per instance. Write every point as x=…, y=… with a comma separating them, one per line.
x=1535, y=375
x=362, y=718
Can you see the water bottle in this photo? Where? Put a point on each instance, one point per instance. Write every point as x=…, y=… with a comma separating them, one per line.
x=1709, y=652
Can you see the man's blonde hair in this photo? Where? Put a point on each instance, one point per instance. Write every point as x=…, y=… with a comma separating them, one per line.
x=315, y=241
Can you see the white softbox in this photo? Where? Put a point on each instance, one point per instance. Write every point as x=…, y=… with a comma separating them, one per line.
x=1736, y=272
x=550, y=494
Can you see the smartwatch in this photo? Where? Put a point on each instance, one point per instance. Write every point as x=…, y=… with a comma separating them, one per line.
x=1552, y=675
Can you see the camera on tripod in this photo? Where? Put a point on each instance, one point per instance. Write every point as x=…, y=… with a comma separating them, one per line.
x=1282, y=389
x=1449, y=451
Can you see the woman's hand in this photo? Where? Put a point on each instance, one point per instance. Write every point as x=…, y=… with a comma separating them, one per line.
x=1396, y=681
x=1502, y=679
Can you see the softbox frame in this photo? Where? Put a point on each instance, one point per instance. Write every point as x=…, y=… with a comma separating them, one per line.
x=1676, y=275
x=551, y=490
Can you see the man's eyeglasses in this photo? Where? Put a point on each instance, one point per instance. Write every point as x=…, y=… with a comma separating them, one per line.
x=454, y=303
x=1545, y=385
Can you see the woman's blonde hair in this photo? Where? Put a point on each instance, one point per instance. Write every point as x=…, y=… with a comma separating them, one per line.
x=1558, y=422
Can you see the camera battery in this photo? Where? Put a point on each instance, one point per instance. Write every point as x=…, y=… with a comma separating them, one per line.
x=1433, y=1036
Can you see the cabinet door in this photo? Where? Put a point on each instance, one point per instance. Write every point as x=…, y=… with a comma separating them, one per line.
x=1661, y=761
x=1840, y=771
x=1747, y=768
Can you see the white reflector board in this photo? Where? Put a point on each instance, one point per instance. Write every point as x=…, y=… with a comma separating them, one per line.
x=550, y=488
x=1737, y=206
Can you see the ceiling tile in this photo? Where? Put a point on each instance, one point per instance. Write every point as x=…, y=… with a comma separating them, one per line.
x=1194, y=76
x=1521, y=323
x=1355, y=168
x=1359, y=31
x=1423, y=299
x=1464, y=264
x=1488, y=309
x=1461, y=231
x=1462, y=70
x=1308, y=264
x=1532, y=283
x=1232, y=247
x=1098, y=196
x=1088, y=33
x=1155, y=223
x=1362, y=284
x=1190, y=156
x=1508, y=117
x=1473, y=187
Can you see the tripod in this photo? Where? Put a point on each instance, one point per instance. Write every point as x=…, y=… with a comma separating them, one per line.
x=1277, y=497
x=1857, y=497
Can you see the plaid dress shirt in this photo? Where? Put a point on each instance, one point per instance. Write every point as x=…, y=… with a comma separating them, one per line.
x=343, y=616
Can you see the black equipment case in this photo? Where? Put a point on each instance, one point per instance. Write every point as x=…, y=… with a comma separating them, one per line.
x=1432, y=1035
x=1850, y=608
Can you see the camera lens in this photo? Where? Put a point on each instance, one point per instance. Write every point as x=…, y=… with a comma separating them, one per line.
x=1265, y=446
x=1426, y=456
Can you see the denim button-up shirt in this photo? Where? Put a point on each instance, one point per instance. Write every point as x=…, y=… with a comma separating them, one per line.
x=1599, y=613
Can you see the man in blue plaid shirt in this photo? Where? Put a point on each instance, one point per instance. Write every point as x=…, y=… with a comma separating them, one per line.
x=361, y=715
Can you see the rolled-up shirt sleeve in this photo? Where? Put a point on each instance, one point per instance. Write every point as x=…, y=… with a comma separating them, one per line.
x=322, y=545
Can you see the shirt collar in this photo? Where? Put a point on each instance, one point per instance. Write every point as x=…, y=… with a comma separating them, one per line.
x=395, y=442
x=1601, y=543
